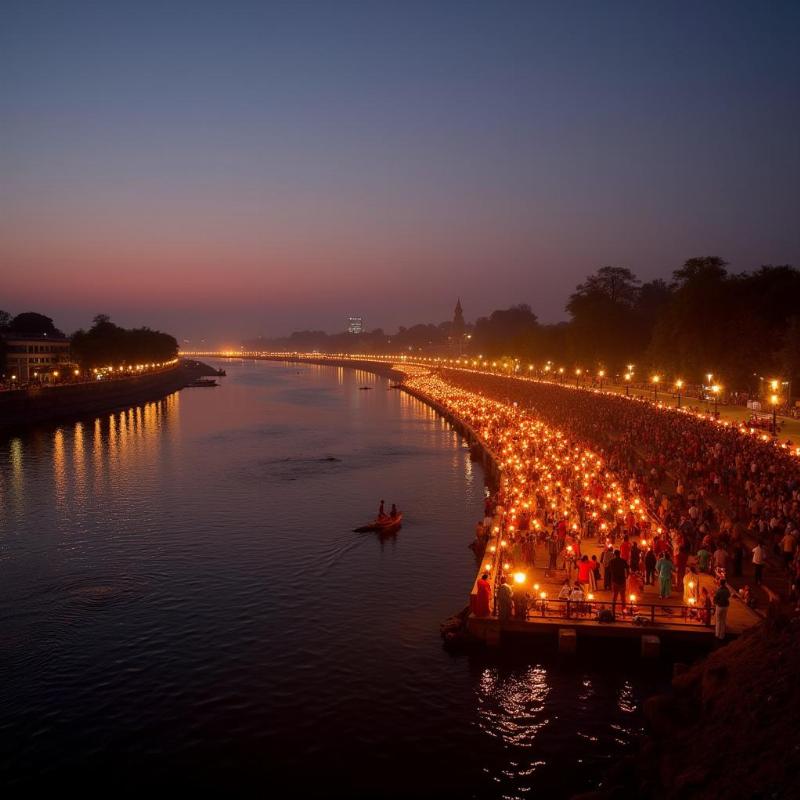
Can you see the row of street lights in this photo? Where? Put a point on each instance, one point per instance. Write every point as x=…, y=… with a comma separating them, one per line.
x=679, y=384
x=715, y=389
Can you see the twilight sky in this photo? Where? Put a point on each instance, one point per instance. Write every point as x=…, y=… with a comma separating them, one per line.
x=226, y=169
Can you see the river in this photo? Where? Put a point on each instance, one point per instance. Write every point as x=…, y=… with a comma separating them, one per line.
x=183, y=601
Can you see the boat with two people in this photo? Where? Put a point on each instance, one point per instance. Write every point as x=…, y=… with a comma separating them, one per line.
x=383, y=523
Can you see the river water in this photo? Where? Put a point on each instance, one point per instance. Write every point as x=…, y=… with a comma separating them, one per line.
x=183, y=601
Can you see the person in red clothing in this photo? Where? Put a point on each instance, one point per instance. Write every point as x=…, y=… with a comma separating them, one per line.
x=625, y=550
x=584, y=570
x=595, y=573
x=483, y=602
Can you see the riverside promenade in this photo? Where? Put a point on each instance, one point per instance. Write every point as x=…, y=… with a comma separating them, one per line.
x=646, y=618
x=37, y=404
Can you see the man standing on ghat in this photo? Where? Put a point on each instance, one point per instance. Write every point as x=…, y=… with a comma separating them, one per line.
x=759, y=557
x=722, y=600
x=618, y=570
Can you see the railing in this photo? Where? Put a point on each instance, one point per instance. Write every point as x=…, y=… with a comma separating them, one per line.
x=641, y=613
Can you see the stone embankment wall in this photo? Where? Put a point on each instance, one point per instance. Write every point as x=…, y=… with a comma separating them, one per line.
x=386, y=370
x=33, y=405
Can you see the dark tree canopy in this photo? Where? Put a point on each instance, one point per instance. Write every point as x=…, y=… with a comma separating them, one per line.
x=737, y=326
x=30, y=323
x=615, y=284
x=704, y=268
x=604, y=322
x=107, y=344
x=510, y=331
x=5, y=318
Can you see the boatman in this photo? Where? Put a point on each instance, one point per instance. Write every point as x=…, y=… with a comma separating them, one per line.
x=381, y=512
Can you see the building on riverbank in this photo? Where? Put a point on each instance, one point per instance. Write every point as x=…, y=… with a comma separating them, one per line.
x=36, y=358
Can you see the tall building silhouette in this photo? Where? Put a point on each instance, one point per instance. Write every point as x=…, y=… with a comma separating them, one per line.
x=458, y=329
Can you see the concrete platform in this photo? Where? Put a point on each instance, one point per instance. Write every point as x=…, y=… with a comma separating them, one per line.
x=667, y=619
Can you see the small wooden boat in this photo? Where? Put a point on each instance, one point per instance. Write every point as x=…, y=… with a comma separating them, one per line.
x=201, y=382
x=382, y=525
x=364, y=388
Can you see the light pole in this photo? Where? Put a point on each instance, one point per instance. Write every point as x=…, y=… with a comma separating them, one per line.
x=679, y=386
x=774, y=401
x=577, y=376
x=656, y=379
x=601, y=374
x=715, y=389
x=628, y=377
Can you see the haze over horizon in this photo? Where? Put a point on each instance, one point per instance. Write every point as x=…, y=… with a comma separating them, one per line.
x=233, y=170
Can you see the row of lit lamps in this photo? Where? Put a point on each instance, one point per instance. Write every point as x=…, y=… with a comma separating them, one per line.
x=655, y=380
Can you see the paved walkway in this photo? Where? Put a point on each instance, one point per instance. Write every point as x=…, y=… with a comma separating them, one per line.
x=740, y=616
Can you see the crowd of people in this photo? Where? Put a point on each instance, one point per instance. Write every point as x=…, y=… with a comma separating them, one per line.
x=712, y=483
x=670, y=495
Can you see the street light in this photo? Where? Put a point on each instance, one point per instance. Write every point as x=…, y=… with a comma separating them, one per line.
x=774, y=400
x=679, y=386
x=577, y=376
x=628, y=376
x=601, y=374
x=715, y=389
x=655, y=379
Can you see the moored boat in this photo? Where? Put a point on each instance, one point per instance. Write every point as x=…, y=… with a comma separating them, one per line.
x=202, y=382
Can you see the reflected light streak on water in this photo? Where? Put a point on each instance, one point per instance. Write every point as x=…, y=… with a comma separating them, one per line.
x=182, y=594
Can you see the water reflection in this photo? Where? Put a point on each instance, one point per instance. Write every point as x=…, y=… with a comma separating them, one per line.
x=59, y=469
x=512, y=707
x=186, y=570
x=79, y=463
x=117, y=440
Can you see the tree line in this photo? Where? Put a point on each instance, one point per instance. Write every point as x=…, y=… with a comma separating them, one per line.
x=106, y=343
x=738, y=326
x=103, y=344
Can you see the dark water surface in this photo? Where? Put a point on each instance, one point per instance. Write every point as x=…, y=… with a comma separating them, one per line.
x=182, y=600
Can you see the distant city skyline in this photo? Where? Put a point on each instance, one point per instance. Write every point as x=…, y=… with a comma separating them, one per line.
x=224, y=171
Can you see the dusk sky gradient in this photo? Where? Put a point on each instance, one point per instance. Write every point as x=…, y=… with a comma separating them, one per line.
x=229, y=169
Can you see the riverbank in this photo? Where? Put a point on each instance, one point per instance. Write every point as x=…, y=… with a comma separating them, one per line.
x=384, y=369
x=36, y=404
x=727, y=729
